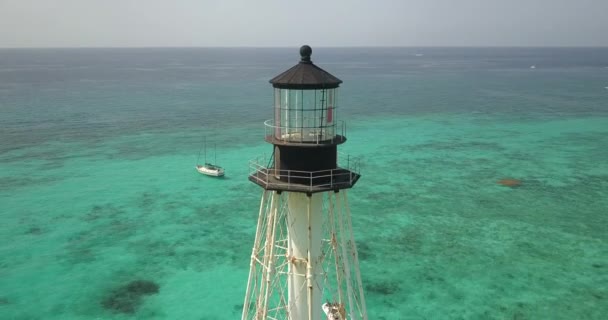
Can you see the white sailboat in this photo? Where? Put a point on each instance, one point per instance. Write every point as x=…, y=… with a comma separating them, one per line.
x=209, y=169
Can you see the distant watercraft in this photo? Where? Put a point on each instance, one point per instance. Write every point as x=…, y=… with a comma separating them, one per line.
x=419, y=54
x=532, y=67
x=334, y=311
x=209, y=169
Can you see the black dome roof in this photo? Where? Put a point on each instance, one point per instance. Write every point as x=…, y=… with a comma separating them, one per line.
x=305, y=75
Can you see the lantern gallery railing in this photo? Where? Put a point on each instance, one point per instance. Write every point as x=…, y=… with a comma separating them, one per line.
x=344, y=176
x=302, y=134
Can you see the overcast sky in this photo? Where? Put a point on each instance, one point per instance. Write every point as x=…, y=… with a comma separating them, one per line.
x=143, y=23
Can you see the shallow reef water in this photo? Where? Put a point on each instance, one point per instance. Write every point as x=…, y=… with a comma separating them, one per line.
x=483, y=195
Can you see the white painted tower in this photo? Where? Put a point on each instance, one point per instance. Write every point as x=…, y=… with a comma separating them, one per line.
x=304, y=263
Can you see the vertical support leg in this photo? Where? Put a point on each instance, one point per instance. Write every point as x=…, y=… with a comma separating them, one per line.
x=355, y=255
x=335, y=246
x=252, y=281
x=269, y=257
x=345, y=259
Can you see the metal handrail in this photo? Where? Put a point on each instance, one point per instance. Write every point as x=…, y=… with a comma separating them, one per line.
x=351, y=164
x=303, y=133
x=263, y=174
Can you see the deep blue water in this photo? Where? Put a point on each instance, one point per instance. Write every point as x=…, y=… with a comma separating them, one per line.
x=49, y=92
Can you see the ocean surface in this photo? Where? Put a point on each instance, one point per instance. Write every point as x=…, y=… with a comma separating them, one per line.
x=102, y=215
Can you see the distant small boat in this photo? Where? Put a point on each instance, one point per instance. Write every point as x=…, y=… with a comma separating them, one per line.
x=532, y=67
x=207, y=168
x=419, y=54
x=334, y=311
x=210, y=170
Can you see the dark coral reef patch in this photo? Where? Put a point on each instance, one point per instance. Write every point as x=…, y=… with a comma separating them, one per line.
x=510, y=182
x=128, y=298
x=383, y=288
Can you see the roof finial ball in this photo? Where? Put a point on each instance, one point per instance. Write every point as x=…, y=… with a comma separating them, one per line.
x=305, y=52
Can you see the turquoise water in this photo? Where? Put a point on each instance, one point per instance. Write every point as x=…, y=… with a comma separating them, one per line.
x=98, y=187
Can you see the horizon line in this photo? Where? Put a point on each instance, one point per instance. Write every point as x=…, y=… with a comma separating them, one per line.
x=297, y=46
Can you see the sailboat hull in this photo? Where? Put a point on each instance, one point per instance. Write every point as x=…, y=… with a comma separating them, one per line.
x=210, y=170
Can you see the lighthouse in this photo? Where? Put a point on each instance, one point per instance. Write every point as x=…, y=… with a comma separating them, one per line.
x=304, y=263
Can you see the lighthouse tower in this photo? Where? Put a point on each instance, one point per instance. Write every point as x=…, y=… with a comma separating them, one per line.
x=304, y=263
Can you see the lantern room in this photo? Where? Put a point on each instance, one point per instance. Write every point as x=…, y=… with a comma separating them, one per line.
x=305, y=105
x=305, y=133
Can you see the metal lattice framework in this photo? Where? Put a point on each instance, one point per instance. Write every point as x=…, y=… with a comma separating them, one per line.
x=335, y=274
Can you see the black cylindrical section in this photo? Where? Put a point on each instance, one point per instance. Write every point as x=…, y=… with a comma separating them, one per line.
x=309, y=166
x=306, y=159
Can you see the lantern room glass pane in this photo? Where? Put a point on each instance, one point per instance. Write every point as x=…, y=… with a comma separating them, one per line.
x=305, y=115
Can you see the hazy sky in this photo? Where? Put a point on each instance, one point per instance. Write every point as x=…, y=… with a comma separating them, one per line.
x=137, y=23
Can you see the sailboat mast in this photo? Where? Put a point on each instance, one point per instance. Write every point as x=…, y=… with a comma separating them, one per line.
x=198, y=159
